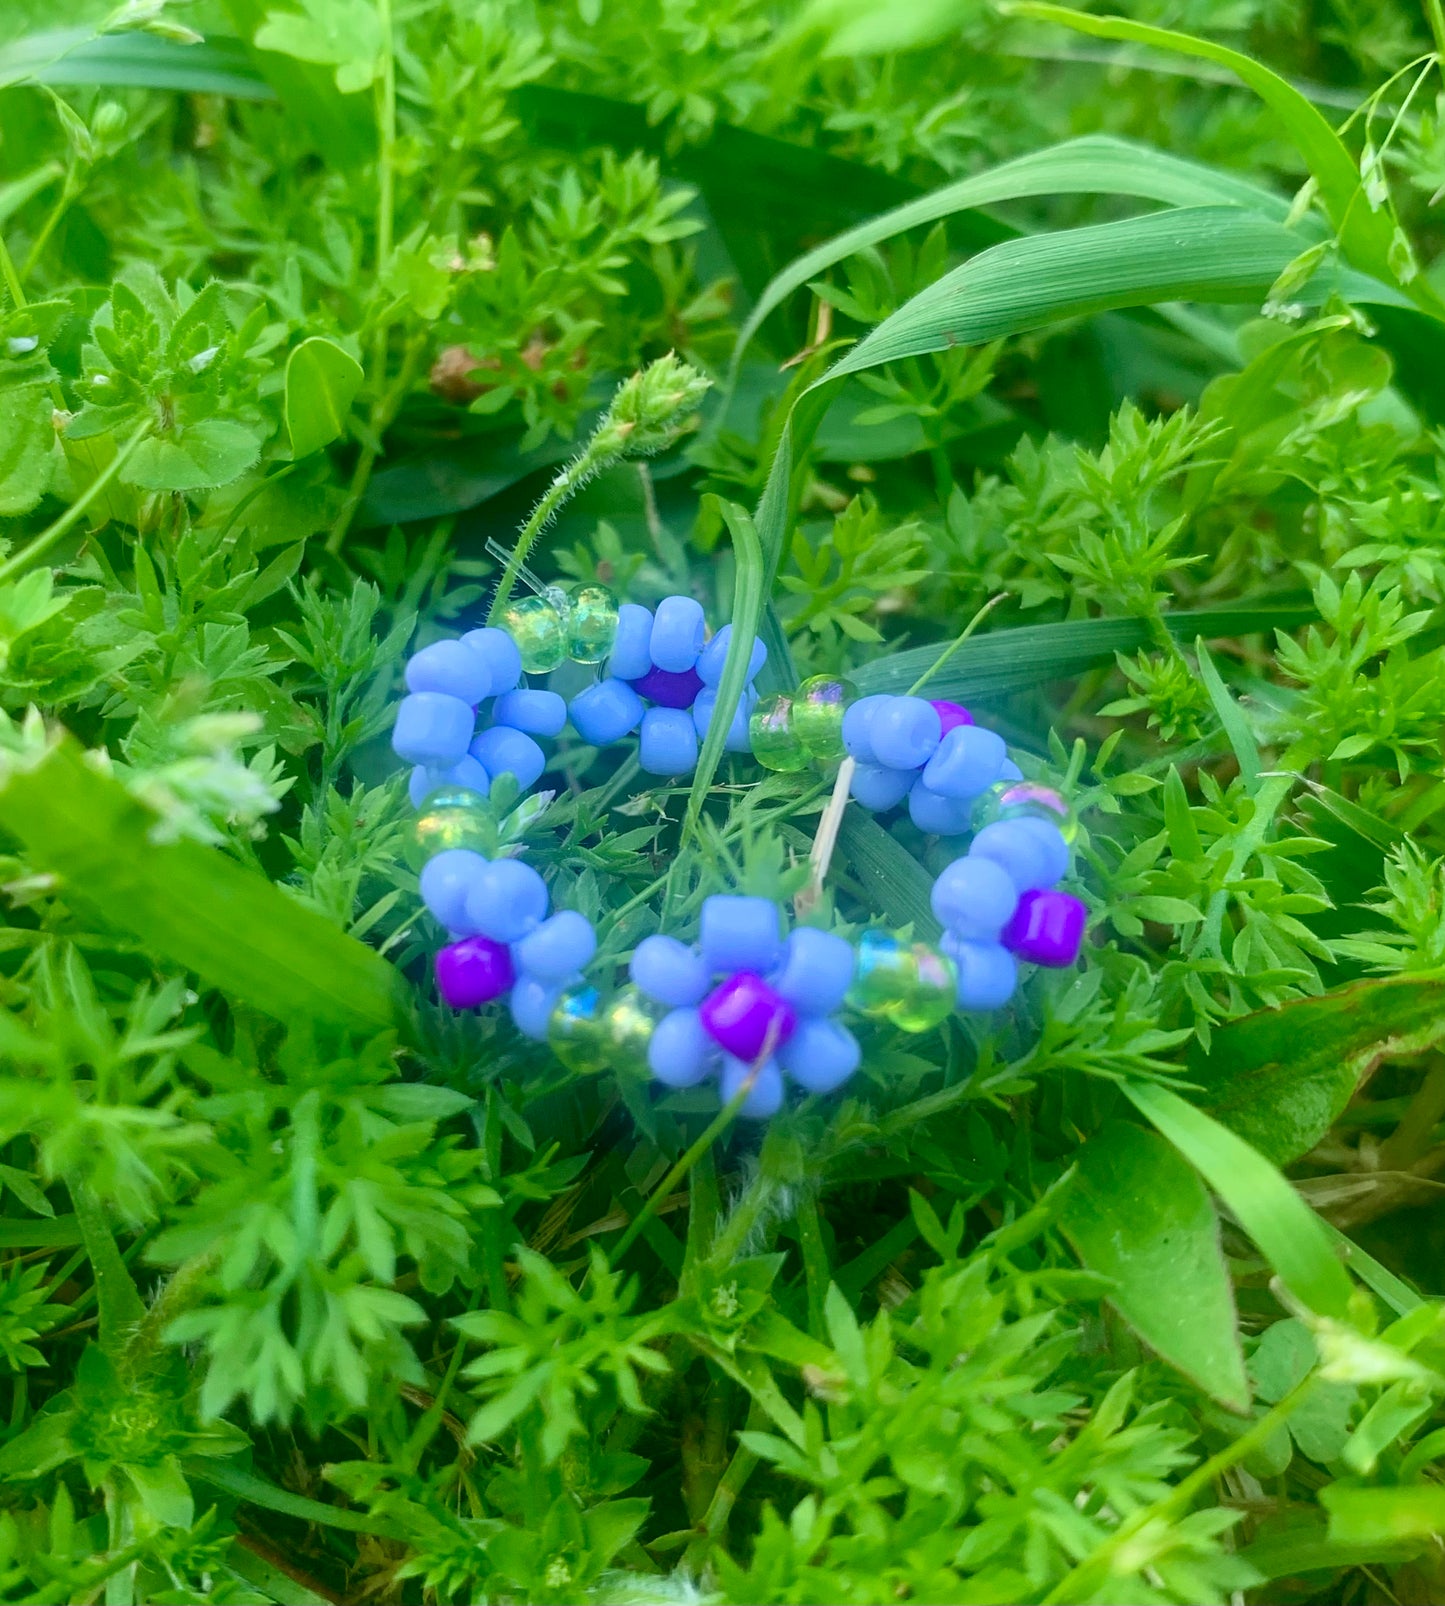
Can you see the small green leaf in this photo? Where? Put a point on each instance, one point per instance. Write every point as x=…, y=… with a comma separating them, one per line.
x=1384, y=1516
x=1288, y=1232
x=210, y=452
x=321, y=383
x=1137, y=1212
x=1280, y=1077
x=164, y=1492
x=27, y=457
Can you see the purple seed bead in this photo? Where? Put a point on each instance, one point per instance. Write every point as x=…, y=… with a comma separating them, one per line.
x=446, y=879
x=604, y=713
x=432, y=727
x=680, y=1053
x=967, y=762
x=532, y=1003
x=1046, y=929
x=451, y=667
x=473, y=972
x=712, y=659
x=668, y=745
x=558, y=948
x=1019, y=852
x=669, y=689
x=740, y=934
x=766, y=1097
x=817, y=971
x=669, y=971
x=974, y=898
x=631, y=646
x=951, y=715
x=539, y=713
x=506, y=900
x=930, y=811
x=677, y=632
x=878, y=788
x=743, y=1015
x=858, y=725
x=821, y=1055
x=905, y=732
x=987, y=974
x=499, y=653
x=500, y=750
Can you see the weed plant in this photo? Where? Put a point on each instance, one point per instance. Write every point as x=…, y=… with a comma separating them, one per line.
x=311, y=1291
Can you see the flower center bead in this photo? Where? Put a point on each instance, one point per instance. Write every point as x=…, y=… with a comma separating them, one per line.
x=744, y=1016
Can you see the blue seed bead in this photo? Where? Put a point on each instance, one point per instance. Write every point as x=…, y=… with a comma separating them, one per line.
x=1020, y=852
x=504, y=751
x=712, y=659
x=974, y=898
x=740, y=934
x=905, y=732
x=680, y=1053
x=858, y=725
x=669, y=742
x=879, y=788
x=669, y=971
x=451, y=667
x=604, y=713
x=930, y=811
x=558, y=948
x=737, y=741
x=507, y=900
x=446, y=880
x=539, y=713
x=466, y=772
x=1055, y=849
x=632, y=645
x=766, y=1097
x=987, y=972
x=1009, y=771
x=499, y=653
x=820, y=1055
x=532, y=1003
x=677, y=633
x=817, y=971
x=432, y=727
x=967, y=762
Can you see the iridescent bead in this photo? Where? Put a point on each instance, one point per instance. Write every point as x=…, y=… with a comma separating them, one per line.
x=454, y=818
x=930, y=999
x=577, y=1030
x=818, y=708
x=629, y=1021
x=537, y=627
x=885, y=974
x=591, y=624
x=774, y=742
x=1026, y=800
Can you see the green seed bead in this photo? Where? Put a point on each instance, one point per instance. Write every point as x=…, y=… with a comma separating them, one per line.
x=885, y=974
x=577, y=1031
x=818, y=708
x=1026, y=800
x=453, y=817
x=930, y=1000
x=539, y=630
x=629, y=1020
x=591, y=624
x=771, y=735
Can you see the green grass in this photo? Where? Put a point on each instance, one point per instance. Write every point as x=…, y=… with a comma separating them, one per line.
x=1121, y=337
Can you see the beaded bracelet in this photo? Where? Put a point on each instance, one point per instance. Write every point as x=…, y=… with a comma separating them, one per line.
x=748, y=1003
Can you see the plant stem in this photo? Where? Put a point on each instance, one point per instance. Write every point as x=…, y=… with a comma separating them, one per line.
x=601, y=452
x=1436, y=13
x=956, y=643
x=12, y=279
x=68, y=191
x=52, y=533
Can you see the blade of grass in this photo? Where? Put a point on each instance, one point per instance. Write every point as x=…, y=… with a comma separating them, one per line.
x=1290, y=1235
x=75, y=58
